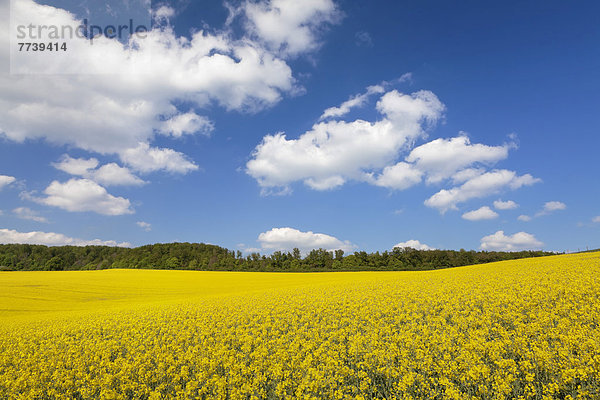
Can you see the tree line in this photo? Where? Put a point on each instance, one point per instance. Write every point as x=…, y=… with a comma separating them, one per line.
x=207, y=257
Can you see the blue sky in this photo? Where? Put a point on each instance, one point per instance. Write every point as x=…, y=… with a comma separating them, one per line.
x=268, y=125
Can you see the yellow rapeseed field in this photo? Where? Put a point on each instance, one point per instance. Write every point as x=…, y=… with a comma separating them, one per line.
x=520, y=329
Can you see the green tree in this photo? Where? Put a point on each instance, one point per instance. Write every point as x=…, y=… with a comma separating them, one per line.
x=54, y=264
x=172, y=263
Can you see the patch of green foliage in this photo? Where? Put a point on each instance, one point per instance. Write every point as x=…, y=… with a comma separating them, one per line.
x=199, y=256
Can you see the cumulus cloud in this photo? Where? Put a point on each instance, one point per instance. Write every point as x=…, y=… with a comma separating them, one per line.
x=501, y=242
x=505, y=205
x=186, y=124
x=163, y=13
x=6, y=180
x=289, y=27
x=481, y=186
x=550, y=207
x=108, y=174
x=333, y=152
x=113, y=98
x=596, y=219
x=399, y=176
x=146, y=159
x=75, y=166
x=286, y=239
x=414, y=244
x=144, y=225
x=10, y=236
x=353, y=102
x=554, y=205
x=442, y=158
x=248, y=250
x=480, y=214
x=27, y=213
x=79, y=195
x=464, y=175
x=112, y=175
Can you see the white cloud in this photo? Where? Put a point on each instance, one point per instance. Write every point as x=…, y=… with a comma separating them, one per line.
x=333, y=152
x=414, y=244
x=325, y=183
x=505, y=205
x=163, y=12
x=550, y=207
x=27, y=213
x=75, y=166
x=554, y=205
x=146, y=159
x=6, y=180
x=480, y=214
x=442, y=158
x=186, y=124
x=286, y=239
x=399, y=176
x=249, y=250
x=112, y=98
x=596, y=219
x=52, y=239
x=108, y=174
x=112, y=174
x=78, y=195
x=481, y=186
x=289, y=27
x=409, y=112
x=144, y=225
x=501, y=242
x=353, y=102
x=464, y=175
